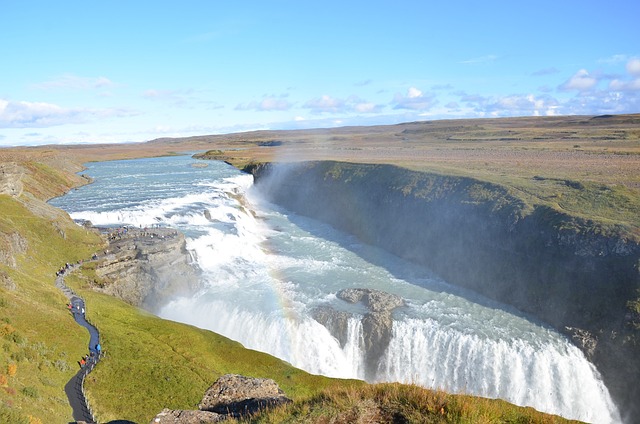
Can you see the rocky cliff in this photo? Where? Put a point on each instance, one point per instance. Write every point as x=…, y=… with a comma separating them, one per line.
x=146, y=267
x=574, y=273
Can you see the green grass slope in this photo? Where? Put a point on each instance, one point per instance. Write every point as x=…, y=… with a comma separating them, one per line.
x=39, y=341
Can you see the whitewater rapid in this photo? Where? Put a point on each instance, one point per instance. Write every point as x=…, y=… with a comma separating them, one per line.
x=265, y=269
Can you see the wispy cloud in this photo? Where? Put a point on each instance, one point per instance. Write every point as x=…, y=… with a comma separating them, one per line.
x=184, y=98
x=23, y=114
x=442, y=87
x=75, y=82
x=614, y=59
x=363, y=83
x=545, y=71
x=482, y=59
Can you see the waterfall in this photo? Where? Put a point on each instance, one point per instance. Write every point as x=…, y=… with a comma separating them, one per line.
x=264, y=272
x=554, y=378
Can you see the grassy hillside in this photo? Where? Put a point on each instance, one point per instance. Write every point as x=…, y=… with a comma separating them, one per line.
x=40, y=342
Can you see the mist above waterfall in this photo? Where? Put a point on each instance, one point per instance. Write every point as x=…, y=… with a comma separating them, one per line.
x=264, y=270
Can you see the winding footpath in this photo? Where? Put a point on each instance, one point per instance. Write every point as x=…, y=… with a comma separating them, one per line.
x=74, y=388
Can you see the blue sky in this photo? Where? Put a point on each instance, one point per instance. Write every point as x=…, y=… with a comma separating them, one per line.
x=123, y=71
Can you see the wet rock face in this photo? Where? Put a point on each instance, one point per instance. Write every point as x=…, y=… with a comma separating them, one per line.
x=377, y=324
x=336, y=322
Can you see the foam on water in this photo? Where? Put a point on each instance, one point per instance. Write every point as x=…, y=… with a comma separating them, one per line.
x=264, y=270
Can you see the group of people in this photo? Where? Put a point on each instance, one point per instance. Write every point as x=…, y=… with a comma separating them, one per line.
x=122, y=232
x=92, y=358
x=75, y=309
x=63, y=269
x=94, y=354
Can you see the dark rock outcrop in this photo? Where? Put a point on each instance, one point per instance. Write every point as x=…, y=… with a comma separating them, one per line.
x=566, y=270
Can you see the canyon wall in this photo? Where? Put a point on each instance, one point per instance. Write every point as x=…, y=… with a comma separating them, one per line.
x=570, y=272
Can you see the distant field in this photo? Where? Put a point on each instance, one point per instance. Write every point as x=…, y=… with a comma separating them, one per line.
x=585, y=165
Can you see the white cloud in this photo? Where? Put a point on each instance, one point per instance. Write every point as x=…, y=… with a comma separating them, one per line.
x=365, y=107
x=513, y=105
x=633, y=67
x=620, y=85
x=325, y=104
x=414, y=93
x=75, y=82
x=414, y=100
x=22, y=114
x=580, y=81
x=633, y=84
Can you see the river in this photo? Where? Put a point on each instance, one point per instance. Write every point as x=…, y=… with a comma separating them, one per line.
x=265, y=270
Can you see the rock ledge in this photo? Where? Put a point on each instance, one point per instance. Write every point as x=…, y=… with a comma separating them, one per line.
x=232, y=396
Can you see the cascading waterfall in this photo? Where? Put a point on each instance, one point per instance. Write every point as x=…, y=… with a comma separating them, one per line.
x=265, y=270
x=553, y=377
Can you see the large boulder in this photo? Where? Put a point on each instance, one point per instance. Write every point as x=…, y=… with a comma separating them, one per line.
x=237, y=395
x=147, y=268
